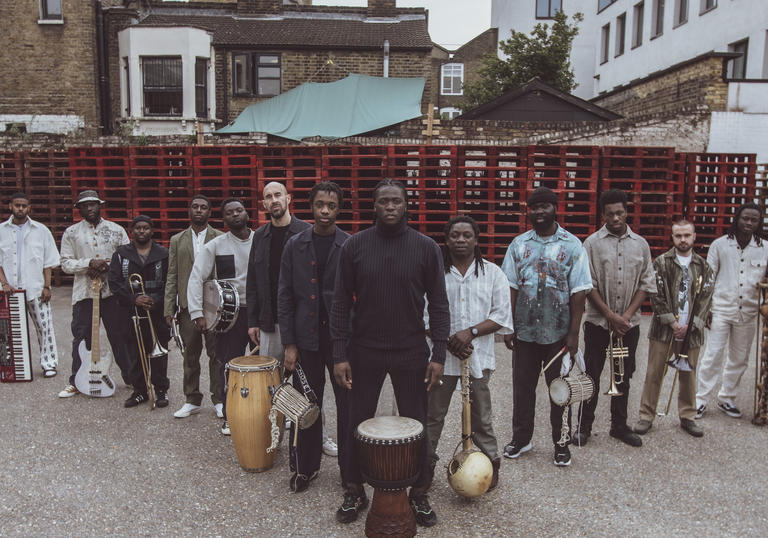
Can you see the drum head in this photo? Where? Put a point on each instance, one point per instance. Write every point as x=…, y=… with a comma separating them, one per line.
x=252, y=363
x=559, y=391
x=389, y=428
x=212, y=301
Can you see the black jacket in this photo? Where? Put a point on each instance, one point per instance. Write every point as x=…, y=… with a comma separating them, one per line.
x=257, y=292
x=298, y=297
x=126, y=261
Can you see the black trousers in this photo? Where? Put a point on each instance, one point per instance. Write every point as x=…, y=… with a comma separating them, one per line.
x=114, y=317
x=529, y=358
x=406, y=370
x=595, y=344
x=230, y=345
x=305, y=458
x=158, y=366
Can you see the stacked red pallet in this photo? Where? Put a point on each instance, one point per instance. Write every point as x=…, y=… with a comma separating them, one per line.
x=11, y=175
x=491, y=188
x=222, y=172
x=357, y=170
x=717, y=185
x=107, y=171
x=572, y=173
x=429, y=175
x=655, y=190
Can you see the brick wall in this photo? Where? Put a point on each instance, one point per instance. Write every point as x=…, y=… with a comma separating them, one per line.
x=471, y=55
x=698, y=82
x=49, y=68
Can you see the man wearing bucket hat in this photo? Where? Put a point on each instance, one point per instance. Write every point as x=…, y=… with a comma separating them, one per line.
x=86, y=249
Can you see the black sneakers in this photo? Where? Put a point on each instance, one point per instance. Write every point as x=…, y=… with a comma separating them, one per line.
x=161, y=400
x=422, y=511
x=700, y=411
x=300, y=482
x=514, y=449
x=136, y=399
x=562, y=456
x=351, y=506
x=728, y=409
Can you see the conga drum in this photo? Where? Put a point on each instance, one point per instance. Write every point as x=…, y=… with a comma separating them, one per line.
x=390, y=461
x=248, y=405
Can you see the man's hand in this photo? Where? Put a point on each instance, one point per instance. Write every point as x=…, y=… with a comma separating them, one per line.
x=465, y=352
x=619, y=323
x=201, y=325
x=7, y=288
x=169, y=320
x=679, y=330
x=291, y=357
x=459, y=340
x=254, y=334
x=99, y=266
x=45, y=296
x=572, y=344
x=342, y=372
x=509, y=340
x=144, y=301
x=433, y=375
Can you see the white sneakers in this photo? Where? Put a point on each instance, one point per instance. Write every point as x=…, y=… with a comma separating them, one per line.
x=186, y=410
x=219, y=410
x=329, y=447
x=68, y=392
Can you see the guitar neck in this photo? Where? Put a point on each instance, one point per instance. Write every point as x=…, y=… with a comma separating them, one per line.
x=95, y=353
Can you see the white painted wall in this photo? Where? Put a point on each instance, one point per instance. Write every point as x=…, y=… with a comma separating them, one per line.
x=190, y=44
x=739, y=132
x=45, y=123
x=750, y=97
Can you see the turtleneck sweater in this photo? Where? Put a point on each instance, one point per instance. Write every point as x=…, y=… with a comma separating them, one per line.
x=383, y=275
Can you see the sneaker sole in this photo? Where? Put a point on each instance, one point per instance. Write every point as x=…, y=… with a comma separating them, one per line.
x=185, y=415
x=730, y=413
x=523, y=450
x=563, y=464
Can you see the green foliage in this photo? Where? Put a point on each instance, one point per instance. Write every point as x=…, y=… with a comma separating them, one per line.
x=544, y=54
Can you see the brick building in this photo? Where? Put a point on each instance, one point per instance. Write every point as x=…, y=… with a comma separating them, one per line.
x=173, y=64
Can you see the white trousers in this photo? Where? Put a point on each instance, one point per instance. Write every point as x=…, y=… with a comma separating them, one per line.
x=735, y=339
x=40, y=314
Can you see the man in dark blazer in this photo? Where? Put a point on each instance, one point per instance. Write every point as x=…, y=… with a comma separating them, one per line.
x=184, y=247
x=305, y=294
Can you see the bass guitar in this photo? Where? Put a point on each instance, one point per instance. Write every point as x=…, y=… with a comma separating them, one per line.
x=92, y=378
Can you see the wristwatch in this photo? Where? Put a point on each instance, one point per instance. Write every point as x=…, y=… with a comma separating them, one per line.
x=474, y=331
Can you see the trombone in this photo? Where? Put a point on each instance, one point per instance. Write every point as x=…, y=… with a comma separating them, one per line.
x=136, y=283
x=615, y=355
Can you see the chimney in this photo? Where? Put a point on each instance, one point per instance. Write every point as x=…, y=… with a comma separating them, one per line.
x=382, y=8
x=259, y=7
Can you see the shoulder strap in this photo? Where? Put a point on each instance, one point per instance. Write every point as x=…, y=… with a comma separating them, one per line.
x=308, y=392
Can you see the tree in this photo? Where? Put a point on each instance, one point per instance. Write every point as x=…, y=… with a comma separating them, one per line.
x=545, y=54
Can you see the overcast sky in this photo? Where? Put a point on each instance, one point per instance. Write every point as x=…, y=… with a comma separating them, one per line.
x=451, y=22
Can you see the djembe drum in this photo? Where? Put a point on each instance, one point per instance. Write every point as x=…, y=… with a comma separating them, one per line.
x=390, y=461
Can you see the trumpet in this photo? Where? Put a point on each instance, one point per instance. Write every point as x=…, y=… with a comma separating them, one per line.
x=136, y=283
x=175, y=333
x=615, y=355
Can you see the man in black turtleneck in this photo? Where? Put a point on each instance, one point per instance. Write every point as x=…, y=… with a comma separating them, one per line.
x=377, y=328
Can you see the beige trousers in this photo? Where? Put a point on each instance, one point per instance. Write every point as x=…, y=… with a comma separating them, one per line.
x=658, y=353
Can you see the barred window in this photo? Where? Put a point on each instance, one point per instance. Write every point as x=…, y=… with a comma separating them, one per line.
x=201, y=87
x=163, y=86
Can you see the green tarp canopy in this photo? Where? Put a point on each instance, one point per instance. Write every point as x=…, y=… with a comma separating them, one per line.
x=354, y=105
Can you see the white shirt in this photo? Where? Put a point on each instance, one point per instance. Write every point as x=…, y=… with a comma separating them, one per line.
x=684, y=303
x=24, y=252
x=472, y=300
x=83, y=242
x=737, y=273
x=198, y=240
x=225, y=252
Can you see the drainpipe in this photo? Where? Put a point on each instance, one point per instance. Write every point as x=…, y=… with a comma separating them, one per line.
x=386, y=58
x=105, y=103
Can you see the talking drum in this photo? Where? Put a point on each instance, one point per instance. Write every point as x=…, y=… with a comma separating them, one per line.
x=221, y=304
x=248, y=404
x=574, y=388
x=390, y=450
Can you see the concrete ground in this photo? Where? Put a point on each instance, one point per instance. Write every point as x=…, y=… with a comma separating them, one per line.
x=89, y=467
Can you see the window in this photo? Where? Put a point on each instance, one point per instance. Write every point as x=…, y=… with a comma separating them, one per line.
x=449, y=113
x=255, y=74
x=707, y=5
x=681, y=12
x=621, y=33
x=737, y=68
x=604, y=37
x=602, y=4
x=452, y=79
x=546, y=9
x=126, y=71
x=50, y=9
x=637, y=24
x=201, y=87
x=163, y=89
x=657, y=28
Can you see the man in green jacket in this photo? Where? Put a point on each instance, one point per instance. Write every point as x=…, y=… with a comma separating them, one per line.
x=681, y=275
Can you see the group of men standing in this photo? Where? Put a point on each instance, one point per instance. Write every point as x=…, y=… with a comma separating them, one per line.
x=388, y=301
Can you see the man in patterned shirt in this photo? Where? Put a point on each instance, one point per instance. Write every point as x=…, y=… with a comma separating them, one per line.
x=548, y=273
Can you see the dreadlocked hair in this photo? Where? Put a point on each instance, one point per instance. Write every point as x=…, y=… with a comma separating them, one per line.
x=478, y=253
x=734, y=228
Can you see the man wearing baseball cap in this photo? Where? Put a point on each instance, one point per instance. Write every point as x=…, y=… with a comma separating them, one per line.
x=86, y=249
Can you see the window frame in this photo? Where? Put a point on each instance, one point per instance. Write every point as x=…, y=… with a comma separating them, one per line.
x=550, y=10
x=743, y=58
x=657, y=19
x=637, y=24
x=703, y=8
x=252, y=65
x=174, y=89
x=621, y=35
x=46, y=17
x=460, y=76
x=605, y=45
x=202, y=84
x=449, y=110
x=681, y=13
x=606, y=6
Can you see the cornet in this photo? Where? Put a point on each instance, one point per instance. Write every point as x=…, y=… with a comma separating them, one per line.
x=615, y=355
